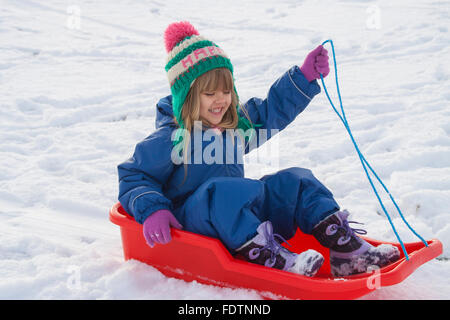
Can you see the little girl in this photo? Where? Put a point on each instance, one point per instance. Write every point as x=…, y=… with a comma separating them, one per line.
x=181, y=175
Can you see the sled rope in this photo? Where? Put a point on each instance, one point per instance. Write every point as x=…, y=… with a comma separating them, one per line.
x=363, y=160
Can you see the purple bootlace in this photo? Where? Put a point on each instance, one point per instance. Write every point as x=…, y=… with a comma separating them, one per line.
x=272, y=245
x=349, y=231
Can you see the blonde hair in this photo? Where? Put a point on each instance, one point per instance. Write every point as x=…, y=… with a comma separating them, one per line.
x=209, y=81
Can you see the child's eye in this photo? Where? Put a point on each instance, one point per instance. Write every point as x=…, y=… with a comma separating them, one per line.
x=210, y=94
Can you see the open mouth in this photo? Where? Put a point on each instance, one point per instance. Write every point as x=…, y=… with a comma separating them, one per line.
x=216, y=111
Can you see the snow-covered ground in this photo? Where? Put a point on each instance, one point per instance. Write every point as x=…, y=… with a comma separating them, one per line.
x=78, y=84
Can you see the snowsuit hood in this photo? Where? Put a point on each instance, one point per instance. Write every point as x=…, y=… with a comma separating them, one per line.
x=164, y=113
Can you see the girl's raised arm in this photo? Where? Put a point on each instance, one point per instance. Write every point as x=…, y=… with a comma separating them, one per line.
x=287, y=98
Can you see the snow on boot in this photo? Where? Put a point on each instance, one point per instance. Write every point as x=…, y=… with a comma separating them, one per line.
x=349, y=254
x=265, y=249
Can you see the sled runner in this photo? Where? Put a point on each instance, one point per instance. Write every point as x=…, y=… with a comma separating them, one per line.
x=191, y=257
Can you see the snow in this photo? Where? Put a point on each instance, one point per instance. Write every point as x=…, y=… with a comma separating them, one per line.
x=78, y=84
x=307, y=263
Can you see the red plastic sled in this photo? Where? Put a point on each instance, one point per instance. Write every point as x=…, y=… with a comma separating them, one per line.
x=191, y=257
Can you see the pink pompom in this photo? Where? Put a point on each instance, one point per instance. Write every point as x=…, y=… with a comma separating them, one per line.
x=176, y=32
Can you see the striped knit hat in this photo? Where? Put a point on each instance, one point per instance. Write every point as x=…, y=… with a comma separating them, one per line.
x=189, y=56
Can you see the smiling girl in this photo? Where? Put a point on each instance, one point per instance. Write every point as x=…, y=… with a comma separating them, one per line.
x=252, y=217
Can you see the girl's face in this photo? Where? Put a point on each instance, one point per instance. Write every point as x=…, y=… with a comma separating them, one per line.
x=214, y=104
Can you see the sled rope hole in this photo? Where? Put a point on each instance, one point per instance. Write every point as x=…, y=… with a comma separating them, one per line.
x=363, y=160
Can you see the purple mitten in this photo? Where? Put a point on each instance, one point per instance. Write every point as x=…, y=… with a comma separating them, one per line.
x=316, y=63
x=156, y=227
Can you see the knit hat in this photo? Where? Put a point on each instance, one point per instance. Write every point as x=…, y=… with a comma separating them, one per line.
x=189, y=56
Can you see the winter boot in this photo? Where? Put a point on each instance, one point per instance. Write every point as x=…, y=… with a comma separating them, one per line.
x=349, y=254
x=266, y=249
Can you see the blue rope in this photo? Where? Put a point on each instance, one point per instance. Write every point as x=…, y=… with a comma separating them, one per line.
x=364, y=162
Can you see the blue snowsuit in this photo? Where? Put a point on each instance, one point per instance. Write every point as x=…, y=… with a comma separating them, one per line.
x=216, y=199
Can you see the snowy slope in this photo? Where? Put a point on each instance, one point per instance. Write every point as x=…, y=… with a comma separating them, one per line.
x=78, y=85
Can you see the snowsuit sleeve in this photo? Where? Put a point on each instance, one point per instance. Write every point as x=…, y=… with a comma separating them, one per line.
x=286, y=99
x=142, y=177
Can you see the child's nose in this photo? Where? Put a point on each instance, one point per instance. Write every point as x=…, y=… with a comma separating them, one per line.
x=220, y=96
